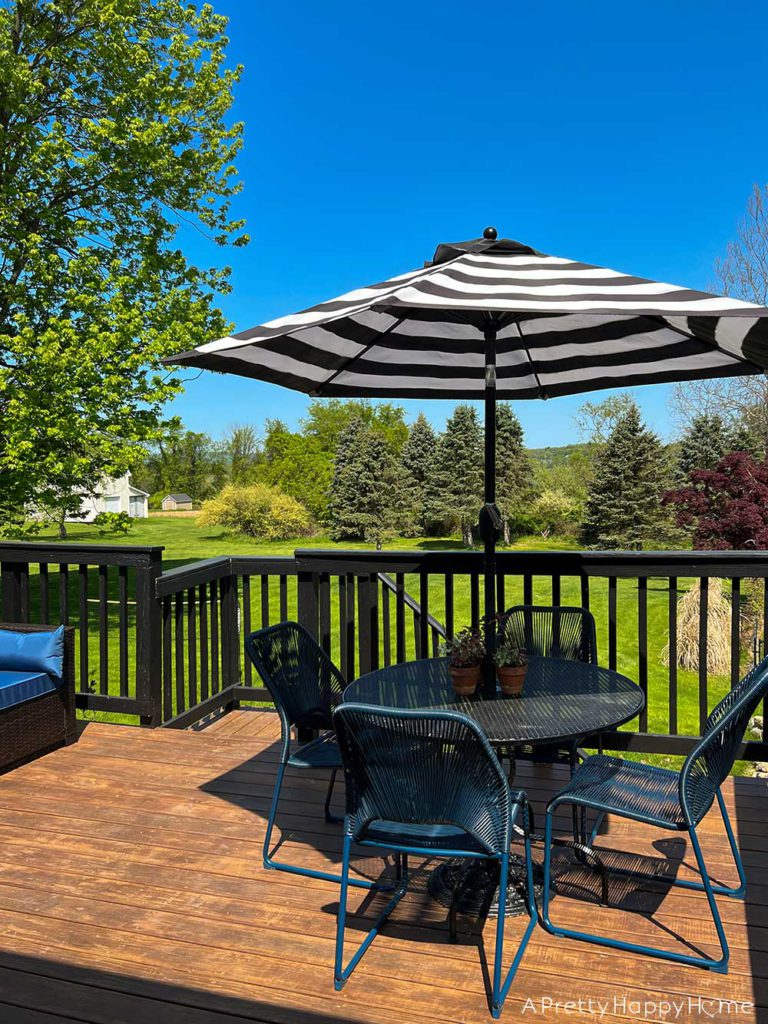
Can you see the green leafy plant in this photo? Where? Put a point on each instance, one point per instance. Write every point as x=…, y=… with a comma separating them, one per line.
x=113, y=522
x=509, y=655
x=466, y=649
x=257, y=511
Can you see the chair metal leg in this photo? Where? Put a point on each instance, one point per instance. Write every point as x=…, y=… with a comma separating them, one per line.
x=341, y=973
x=270, y=862
x=499, y=990
x=720, y=965
x=332, y=819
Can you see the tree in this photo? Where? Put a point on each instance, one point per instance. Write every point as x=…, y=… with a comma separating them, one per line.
x=725, y=507
x=555, y=512
x=459, y=480
x=596, y=421
x=298, y=465
x=365, y=493
x=327, y=417
x=241, y=446
x=419, y=464
x=703, y=444
x=624, y=508
x=742, y=273
x=112, y=120
x=181, y=460
x=514, y=475
x=257, y=511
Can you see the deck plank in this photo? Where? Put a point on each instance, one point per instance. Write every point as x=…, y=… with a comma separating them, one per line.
x=131, y=889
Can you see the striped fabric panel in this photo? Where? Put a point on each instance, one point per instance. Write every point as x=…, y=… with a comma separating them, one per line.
x=564, y=327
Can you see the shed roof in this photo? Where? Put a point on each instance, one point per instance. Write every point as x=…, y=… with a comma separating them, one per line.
x=177, y=497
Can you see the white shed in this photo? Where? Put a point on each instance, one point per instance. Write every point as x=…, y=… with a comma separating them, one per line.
x=114, y=495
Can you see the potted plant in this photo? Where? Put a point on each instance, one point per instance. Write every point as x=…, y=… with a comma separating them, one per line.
x=511, y=666
x=465, y=653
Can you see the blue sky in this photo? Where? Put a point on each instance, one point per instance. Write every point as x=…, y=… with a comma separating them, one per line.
x=627, y=135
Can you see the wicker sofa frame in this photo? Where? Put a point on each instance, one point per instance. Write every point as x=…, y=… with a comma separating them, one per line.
x=45, y=722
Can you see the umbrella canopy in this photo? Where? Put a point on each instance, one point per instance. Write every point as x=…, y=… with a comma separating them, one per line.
x=561, y=327
x=493, y=317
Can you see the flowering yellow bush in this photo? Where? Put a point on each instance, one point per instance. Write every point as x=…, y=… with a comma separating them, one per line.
x=256, y=510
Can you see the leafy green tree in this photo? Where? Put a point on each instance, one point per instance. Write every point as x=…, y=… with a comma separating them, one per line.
x=555, y=512
x=181, y=460
x=299, y=466
x=459, y=480
x=112, y=133
x=419, y=461
x=241, y=447
x=624, y=505
x=514, y=476
x=327, y=417
x=365, y=494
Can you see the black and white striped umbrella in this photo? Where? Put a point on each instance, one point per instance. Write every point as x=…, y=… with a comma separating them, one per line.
x=561, y=327
x=494, y=318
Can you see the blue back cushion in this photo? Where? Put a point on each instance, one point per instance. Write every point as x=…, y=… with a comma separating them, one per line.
x=32, y=652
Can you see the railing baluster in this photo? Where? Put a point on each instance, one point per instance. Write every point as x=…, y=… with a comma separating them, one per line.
x=556, y=591
x=24, y=588
x=283, y=598
x=204, y=673
x=672, y=629
x=265, y=616
x=642, y=646
x=351, y=625
x=214, y=616
x=386, y=625
x=64, y=593
x=735, y=630
x=122, y=629
x=179, y=648
x=612, y=622
x=192, y=646
x=82, y=586
x=324, y=606
x=424, y=617
x=449, y=604
x=501, y=597
x=703, y=652
x=527, y=589
x=247, y=630
x=585, y=591
x=103, y=630
x=474, y=588
x=44, y=594
x=167, y=660
x=343, y=638
x=400, y=617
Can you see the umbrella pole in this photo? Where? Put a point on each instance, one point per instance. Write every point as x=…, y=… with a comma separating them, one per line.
x=488, y=526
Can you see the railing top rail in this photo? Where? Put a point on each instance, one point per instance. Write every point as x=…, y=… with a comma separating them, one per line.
x=65, y=552
x=185, y=576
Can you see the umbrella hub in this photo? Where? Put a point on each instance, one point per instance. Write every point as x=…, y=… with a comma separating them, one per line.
x=490, y=242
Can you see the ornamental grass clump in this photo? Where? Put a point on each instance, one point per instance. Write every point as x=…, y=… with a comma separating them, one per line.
x=718, y=630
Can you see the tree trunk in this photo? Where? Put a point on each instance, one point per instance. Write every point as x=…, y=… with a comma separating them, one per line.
x=62, y=527
x=507, y=536
x=466, y=535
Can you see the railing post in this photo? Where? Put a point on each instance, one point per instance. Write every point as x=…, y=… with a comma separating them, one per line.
x=149, y=625
x=10, y=582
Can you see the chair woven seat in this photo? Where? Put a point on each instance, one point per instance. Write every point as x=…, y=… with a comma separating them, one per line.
x=322, y=752
x=640, y=791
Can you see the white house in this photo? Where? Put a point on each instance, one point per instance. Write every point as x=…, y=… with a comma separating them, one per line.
x=114, y=495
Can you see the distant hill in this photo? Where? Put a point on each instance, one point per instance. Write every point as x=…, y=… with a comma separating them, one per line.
x=555, y=455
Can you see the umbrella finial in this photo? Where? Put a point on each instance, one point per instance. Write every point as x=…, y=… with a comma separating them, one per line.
x=491, y=234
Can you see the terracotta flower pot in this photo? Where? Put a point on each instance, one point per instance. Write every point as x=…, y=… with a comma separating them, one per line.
x=465, y=679
x=511, y=679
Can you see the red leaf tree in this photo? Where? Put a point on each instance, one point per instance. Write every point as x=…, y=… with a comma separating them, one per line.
x=726, y=507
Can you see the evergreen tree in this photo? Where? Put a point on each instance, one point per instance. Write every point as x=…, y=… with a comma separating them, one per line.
x=419, y=462
x=364, y=499
x=514, y=476
x=459, y=478
x=703, y=444
x=624, y=505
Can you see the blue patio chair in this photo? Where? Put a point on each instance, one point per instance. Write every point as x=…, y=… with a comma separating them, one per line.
x=305, y=686
x=669, y=800
x=426, y=783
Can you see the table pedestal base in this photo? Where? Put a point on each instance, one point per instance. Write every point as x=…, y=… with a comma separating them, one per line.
x=472, y=886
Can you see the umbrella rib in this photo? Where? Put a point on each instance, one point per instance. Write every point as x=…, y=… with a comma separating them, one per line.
x=355, y=358
x=536, y=377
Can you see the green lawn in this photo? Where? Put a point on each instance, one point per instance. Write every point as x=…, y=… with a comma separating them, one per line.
x=184, y=542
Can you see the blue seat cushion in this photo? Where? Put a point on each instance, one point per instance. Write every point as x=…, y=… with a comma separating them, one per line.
x=33, y=652
x=17, y=687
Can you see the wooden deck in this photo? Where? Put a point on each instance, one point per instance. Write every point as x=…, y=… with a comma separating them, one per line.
x=132, y=892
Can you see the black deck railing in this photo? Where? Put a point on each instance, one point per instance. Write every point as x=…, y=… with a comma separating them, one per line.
x=167, y=647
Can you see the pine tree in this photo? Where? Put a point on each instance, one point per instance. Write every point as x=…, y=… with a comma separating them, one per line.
x=459, y=478
x=703, y=444
x=624, y=505
x=364, y=498
x=514, y=476
x=419, y=464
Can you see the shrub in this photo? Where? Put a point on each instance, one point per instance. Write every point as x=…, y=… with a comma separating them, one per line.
x=256, y=510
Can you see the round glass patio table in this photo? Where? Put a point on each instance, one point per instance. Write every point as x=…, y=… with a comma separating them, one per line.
x=562, y=702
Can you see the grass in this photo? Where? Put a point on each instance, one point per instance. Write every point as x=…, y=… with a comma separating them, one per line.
x=185, y=542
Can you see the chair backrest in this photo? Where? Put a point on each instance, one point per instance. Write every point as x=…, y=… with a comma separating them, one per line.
x=710, y=762
x=303, y=681
x=551, y=631
x=422, y=768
